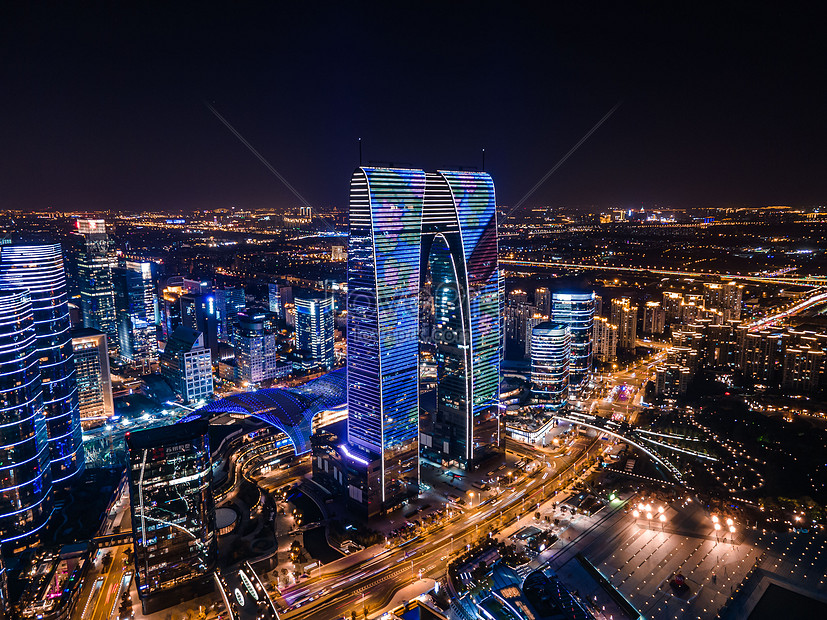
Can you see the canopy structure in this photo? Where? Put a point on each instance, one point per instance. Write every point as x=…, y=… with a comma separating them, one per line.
x=290, y=410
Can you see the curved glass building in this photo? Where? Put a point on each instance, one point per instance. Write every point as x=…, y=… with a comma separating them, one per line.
x=25, y=476
x=39, y=269
x=401, y=222
x=550, y=363
x=577, y=311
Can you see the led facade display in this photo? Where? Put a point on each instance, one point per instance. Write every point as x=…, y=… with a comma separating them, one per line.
x=401, y=222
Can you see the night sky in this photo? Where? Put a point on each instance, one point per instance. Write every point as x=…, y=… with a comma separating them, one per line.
x=105, y=109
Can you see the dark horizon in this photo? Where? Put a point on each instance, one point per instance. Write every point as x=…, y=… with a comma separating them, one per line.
x=107, y=109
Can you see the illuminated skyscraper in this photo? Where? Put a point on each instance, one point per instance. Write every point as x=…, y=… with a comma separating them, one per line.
x=604, y=337
x=314, y=329
x=624, y=315
x=550, y=363
x=401, y=222
x=256, y=348
x=173, y=513
x=274, y=298
x=39, y=269
x=135, y=302
x=97, y=292
x=93, y=377
x=654, y=318
x=542, y=300
x=229, y=301
x=25, y=475
x=186, y=365
x=577, y=311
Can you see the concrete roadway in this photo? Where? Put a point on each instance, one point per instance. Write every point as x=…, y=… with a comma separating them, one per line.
x=373, y=582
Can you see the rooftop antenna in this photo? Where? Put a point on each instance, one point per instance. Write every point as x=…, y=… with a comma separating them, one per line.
x=483, y=160
x=360, y=152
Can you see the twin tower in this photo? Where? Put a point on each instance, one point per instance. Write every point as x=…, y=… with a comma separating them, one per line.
x=412, y=230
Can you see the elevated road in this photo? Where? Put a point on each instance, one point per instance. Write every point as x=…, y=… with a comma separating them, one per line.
x=803, y=280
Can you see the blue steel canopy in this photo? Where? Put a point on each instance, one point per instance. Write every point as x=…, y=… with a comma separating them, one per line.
x=290, y=410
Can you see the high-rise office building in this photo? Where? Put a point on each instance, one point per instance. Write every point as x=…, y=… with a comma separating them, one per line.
x=186, y=365
x=314, y=329
x=25, y=474
x=654, y=318
x=399, y=221
x=135, y=302
x=576, y=309
x=550, y=363
x=624, y=315
x=229, y=301
x=256, y=348
x=97, y=293
x=173, y=514
x=274, y=298
x=39, y=269
x=169, y=305
x=93, y=378
x=198, y=312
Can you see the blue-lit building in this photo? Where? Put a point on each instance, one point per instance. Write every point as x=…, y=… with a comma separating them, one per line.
x=274, y=298
x=256, y=348
x=135, y=305
x=314, y=330
x=576, y=309
x=550, y=363
x=229, y=301
x=186, y=365
x=173, y=513
x=198, y=312
x=97, y=293
x=25, y=474
x=402, y=221
x=39, y=269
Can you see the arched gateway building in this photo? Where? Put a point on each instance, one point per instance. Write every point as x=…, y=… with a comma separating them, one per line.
x=409, y=230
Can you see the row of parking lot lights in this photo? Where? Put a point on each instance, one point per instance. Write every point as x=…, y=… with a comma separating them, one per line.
x=716, y=523
x=646, y=509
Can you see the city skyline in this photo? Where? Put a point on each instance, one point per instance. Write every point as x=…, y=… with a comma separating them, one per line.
x=272, y=345
x=109, y=109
